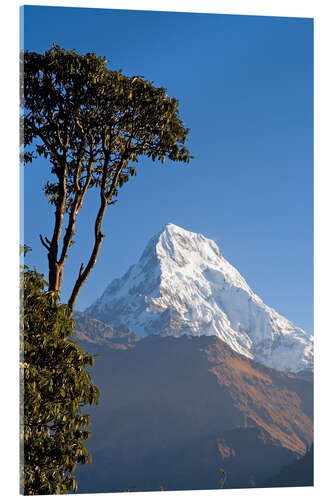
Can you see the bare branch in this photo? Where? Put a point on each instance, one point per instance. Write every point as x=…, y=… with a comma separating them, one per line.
x=81, y=269
x=43, y=242
x=84, y=273
x=76, y=206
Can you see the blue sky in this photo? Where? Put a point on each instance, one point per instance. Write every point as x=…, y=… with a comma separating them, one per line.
x=245, y=88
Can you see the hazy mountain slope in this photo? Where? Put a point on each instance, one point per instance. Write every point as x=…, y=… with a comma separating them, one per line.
x=173, y=407
x=297, y=473
x=182, y=285
x=246, y=455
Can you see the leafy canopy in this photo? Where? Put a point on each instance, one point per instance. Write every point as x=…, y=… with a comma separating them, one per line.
x=56, y=386
x=85, y=114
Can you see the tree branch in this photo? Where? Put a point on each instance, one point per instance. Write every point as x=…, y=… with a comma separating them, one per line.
x=77, y=204
x=43, y=242
x=83, y=274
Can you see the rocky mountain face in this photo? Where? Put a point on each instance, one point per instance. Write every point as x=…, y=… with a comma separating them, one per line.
x=93, y=335
x=183, y=285
x=174, y=411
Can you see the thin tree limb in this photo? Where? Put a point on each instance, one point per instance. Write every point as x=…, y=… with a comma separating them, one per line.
x=43, y=242
x=77, y=204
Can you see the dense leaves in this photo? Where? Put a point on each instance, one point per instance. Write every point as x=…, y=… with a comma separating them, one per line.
x=92, y=124
x=56, y=386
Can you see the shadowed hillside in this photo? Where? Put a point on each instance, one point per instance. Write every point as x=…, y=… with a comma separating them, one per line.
x=174, y=411
x=297, y=473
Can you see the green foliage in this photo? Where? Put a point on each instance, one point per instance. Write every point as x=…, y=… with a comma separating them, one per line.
x=56, y=386
x=87, y=115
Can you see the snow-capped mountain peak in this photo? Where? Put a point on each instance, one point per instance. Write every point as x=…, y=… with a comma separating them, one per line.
x=183, y=285
x=193, y=251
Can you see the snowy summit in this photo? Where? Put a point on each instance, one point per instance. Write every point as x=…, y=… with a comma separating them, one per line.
x=183, y=285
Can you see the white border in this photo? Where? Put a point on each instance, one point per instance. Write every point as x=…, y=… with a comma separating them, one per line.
x=9, y=33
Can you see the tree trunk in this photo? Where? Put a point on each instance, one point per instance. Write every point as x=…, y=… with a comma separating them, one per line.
x=54, y=284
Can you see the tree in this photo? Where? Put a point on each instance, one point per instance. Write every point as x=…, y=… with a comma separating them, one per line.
x=56, y=386
x=92, y=125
